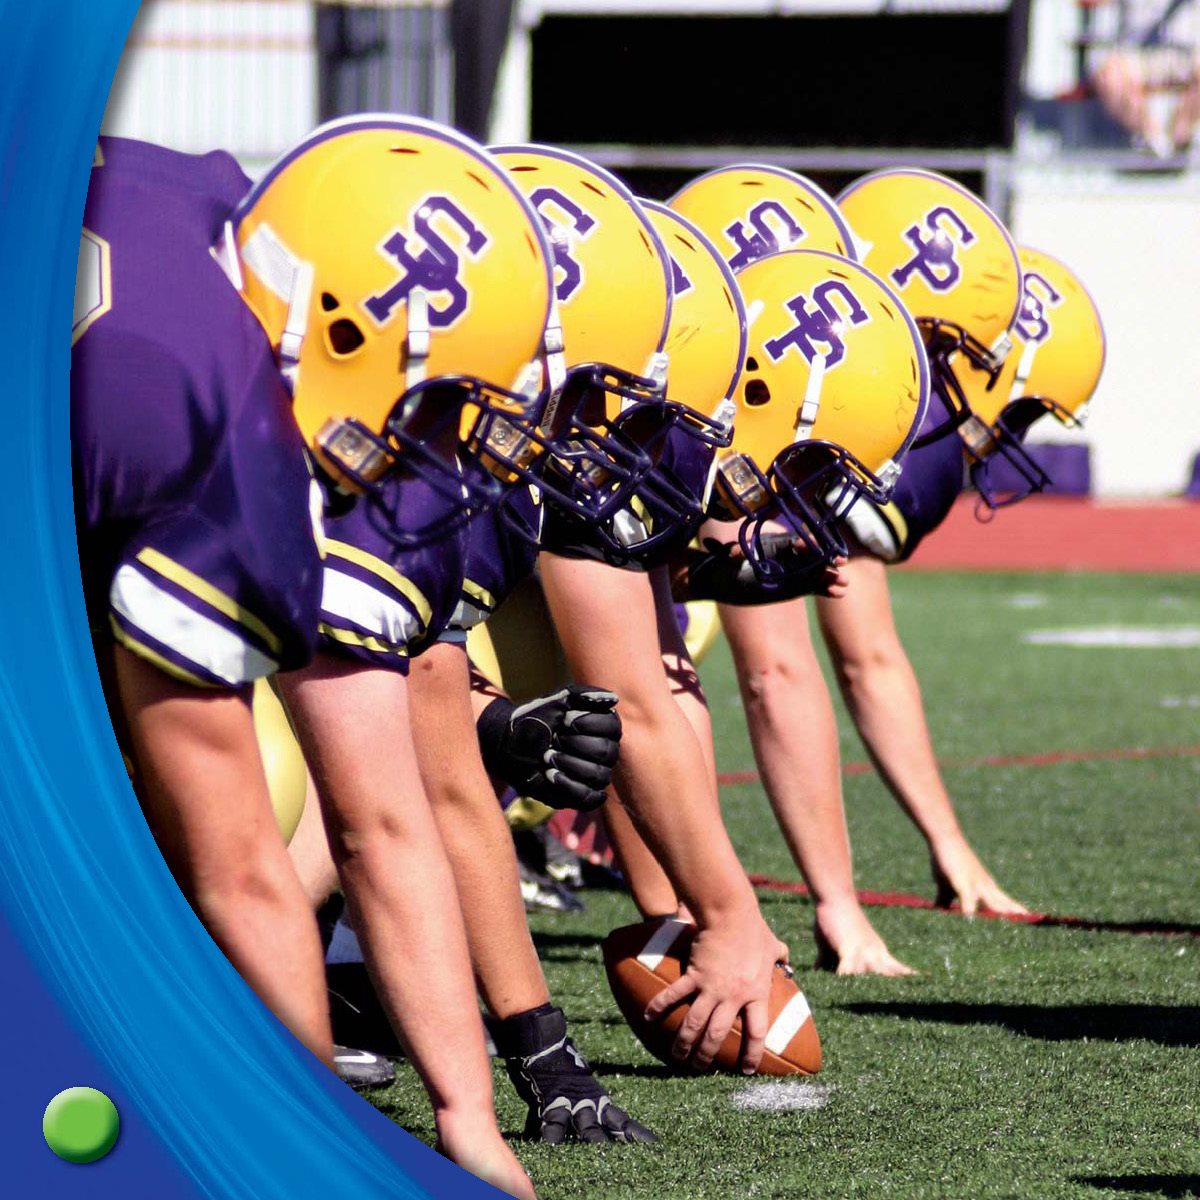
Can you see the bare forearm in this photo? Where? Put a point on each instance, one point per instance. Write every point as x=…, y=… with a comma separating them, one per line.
x=884, y=700
x=666, y=789
x=793, y=732
x=475, y=834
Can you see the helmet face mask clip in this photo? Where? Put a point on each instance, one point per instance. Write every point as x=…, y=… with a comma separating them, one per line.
x=1008, y=435
x=945, y=340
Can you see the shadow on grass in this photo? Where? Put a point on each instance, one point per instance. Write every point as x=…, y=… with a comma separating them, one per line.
x=1147, y=1185
x=640, y=1070
x=1168, y=1025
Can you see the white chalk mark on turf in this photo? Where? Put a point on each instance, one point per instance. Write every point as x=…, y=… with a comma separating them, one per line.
x=1179, y=702
x=783, y=1096
x=1027, y=600
x=1180, y=637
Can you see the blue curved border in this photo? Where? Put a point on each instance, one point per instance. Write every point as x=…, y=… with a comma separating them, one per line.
x=109, y=979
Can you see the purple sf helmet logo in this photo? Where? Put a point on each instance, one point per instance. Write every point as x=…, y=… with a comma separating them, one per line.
x=767, y=227
x=435, y=269
x=822, y=325
x=1037, y=295
x=680, y=283
x=566, y=223
x=934, y=258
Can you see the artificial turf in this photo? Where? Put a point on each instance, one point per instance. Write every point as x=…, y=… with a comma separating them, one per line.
x=1021, y=1061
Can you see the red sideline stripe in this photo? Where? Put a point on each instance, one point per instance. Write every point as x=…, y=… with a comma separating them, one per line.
x=908, y=900
x=1048, y=758
x=1066, y=533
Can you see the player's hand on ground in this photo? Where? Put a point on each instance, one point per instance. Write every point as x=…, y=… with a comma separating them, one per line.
x=729, y=974
x=559, y=749
x=964, y=882
x=487, y=1158
x=848, y=944
x=566, y=1101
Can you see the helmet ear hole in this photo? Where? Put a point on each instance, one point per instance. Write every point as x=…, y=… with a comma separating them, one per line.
x=756, y=393
x=345, y=337
x=752, y=363
x=328, y=302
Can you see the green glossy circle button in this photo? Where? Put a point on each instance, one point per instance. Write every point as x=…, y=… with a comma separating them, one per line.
x=81, y=1124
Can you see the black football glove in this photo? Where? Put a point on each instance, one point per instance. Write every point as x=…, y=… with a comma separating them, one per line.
x=559, y=749
x=717, y=573
x=565, y=1099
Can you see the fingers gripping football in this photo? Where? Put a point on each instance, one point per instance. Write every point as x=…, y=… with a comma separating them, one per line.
x=559, y=749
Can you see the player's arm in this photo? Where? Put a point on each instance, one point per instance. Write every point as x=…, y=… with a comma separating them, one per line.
x=353, y=722
x=201, y=783
x=607, y=624
x=884, y=699
x=565, y=1099
x=793, y=731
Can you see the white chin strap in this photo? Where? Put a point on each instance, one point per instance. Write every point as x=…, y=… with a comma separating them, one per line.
x=1001, y=348
x=226, y=256
x=555, y=362
x=417, y=340
x=1024, y=367
x=291, y=341
x=812, y=400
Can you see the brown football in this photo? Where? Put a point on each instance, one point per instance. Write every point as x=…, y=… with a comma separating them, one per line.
x=642, y=959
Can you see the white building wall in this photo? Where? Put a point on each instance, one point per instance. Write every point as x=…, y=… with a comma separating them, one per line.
x=240, y=75
x=1135, y=242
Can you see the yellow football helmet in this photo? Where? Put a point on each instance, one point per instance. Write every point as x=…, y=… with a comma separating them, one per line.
x=604, y=360
x=834, y=388
x=952, y=262
x=403, y=281
x=1057, y=357
x=749, y=211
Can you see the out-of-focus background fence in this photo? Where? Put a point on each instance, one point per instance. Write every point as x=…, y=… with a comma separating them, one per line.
x=1013, y=97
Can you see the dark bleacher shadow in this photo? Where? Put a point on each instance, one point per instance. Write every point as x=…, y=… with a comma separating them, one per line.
x=1175, y=1186
x=1168, y=1025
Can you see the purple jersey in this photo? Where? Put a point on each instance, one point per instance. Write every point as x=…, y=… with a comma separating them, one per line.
x=381, y=603
x=930, y=481
x=498, y=559
x=193, y=494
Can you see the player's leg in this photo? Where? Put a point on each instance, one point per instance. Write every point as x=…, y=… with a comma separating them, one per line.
x=354, y=724
x=201, y=780
x=884, y=698
x=564, y=1097
x=607, y=624
x=794, y=735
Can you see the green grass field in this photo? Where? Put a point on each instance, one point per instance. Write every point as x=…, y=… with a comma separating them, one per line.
x=1021, y=1061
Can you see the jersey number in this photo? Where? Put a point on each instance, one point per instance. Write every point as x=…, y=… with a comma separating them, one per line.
x=93, y=283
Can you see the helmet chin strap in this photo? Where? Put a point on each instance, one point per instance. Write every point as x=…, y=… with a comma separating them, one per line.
x=226, y=256
x=291, y=341
x=417, y=339
x=555, y=362
x=1001, y=348
x=807, y=417
x=1024, y=367
x=657, y=366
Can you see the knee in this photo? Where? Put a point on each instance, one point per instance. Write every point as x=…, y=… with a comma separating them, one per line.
x=259, y=876
x=768, y=687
